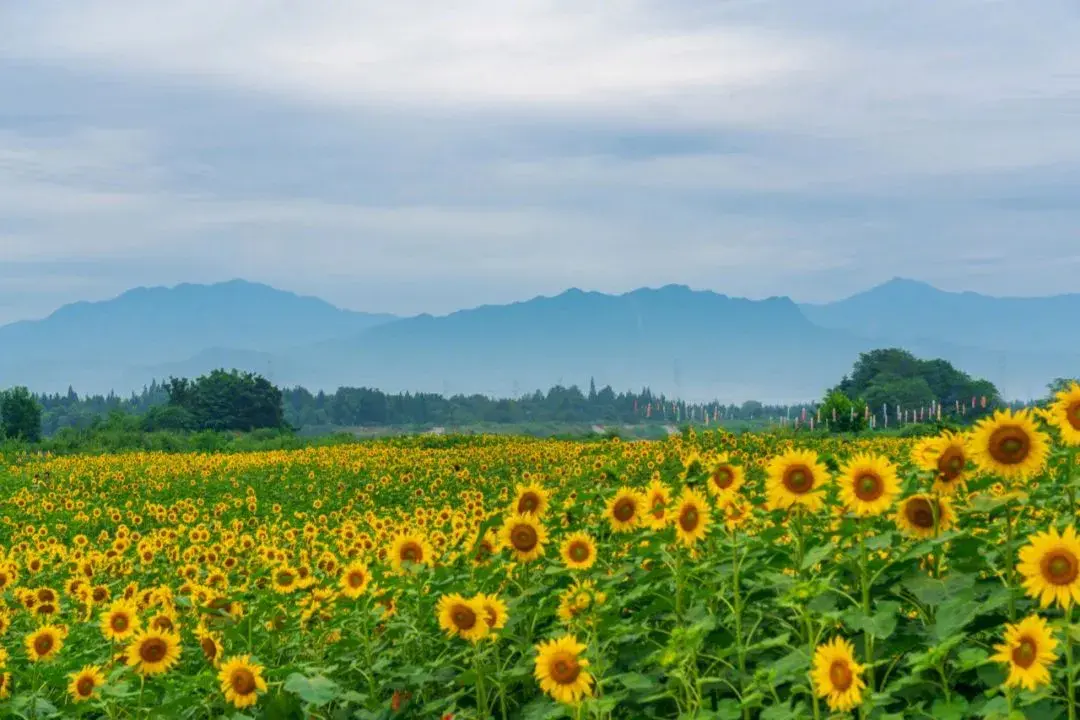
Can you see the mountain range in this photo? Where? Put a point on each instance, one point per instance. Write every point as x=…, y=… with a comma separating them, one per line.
x=697, y=345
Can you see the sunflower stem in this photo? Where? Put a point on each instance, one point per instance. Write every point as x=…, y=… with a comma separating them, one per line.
x=1010, y=568
x=481, y=690
x=868, y=638
x=1070, y=669
x=740, y=650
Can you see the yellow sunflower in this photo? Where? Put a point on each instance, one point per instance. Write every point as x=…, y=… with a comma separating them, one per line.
x=725, y=478
x=1065, y=414
x=692, y=464
x=624, y=511
x=84, y=684
x=5, y=685
x=578, y=551
x=1028, y=650
x=796, y=478
x=355, y=579
x=461, y=617
x=1009, y=444
x=924, y=516
x=530, y=499
x=45, y=642
x=409, y=547
x=525, y=536
x=152, y=652
x=1050, y=564
x=120, y=621
x=561, y=670
x=657, y=502
x=692, y=516
x=210, y=646
x=495, y=613
x=947, y=457
x=837, y=677
x=868, y=484
x=285, y=579
x=241, y=681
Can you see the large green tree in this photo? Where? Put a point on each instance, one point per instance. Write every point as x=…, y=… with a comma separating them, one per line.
x=20, y=415
x=224, y=401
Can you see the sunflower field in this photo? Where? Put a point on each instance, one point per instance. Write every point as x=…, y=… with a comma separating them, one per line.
x=710, y=575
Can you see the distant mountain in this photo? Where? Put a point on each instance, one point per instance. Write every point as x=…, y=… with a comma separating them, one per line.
x=692, y=344
x=95, y=346
x=1020, y=343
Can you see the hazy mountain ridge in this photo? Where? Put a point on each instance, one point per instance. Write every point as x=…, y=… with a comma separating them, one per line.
x=688, y=343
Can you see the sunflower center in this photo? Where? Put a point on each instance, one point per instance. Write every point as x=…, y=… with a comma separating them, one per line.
x=464, y=618
x=356, y=579
x=490, y=616
x=1072, y=414
x=689, y=518
x=564, y=668
x=85, y=686
x=869, y=487
x=840, y=675
x=1009, y=445
x=722, y=477
x=153, y=650
x=624, y=510
x=120, y=623
x=528, y=503
x=524, y=538
x=43, y=644
x=951, y=464
x=1060, y=567
x=798, y=479
x=243, y=681
x=411, y=552
x=920, y=513
x=1024, y=654
x=209, y=648
x=285, y=578
x=579, y=551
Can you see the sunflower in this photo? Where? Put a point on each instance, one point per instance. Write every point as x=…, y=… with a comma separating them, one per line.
x=1065, y=414
x=924, y=516
x=84, y=684
x=1028, y=650
x=409, y=548
x=45, y=642
x=578, y=551
x=461, y=617
x=355, y=579
x=624, y=511
x=1050, y=564
x=495, y=614
x=836, y=675
x=561, y=671
x=5, y=685
x=736, y=513
x=725, y=478
x=153, y=651
x=947, y=457
x=868, y=484
x=210, y=646
x=285, y=579
x=1009, y=445
x=241, y=681
x=530, y=499
x=796, y=478
x=525, y=536
x=692, y=516
x=657, y=500
x=692, y=464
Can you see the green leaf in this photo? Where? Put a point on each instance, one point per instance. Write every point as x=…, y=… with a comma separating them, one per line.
x=955, y=709
x=316, y=690
x=636, y=682
x=816, y=555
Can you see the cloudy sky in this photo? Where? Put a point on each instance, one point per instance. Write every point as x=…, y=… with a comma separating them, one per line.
x=426, y=155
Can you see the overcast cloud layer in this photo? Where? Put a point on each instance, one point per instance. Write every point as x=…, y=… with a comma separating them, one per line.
x=425, y=156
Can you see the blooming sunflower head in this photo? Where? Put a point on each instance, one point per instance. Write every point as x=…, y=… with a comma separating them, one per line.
x=410, y=549
x=495, y=612
x=84, y=684
x=45, y=642
x=1028, y=651
x=461, y=617
x=1009, y=445
x=578, y=551
x=691, y=516
x=152, y=652
x=797, y=478
x=837, y=677
x=1050, y=566
x=924, y=515
x=868, y=484
x=1065, y=414
x=562, y=671
x=525, y=536
x=530, y=499
x=657, y=500
x=725, y=477
x=241, y=681
x=624, y=510
x=355, y=579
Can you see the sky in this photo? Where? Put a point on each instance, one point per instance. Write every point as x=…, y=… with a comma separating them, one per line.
x=425, y=156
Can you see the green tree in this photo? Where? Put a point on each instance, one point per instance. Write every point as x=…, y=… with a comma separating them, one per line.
x=20, y=415
x=225, y=401
x=848, y=413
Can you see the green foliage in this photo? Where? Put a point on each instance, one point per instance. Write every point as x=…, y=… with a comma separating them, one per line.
x=222, y=401
x=20, y=415
x=848, y=413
